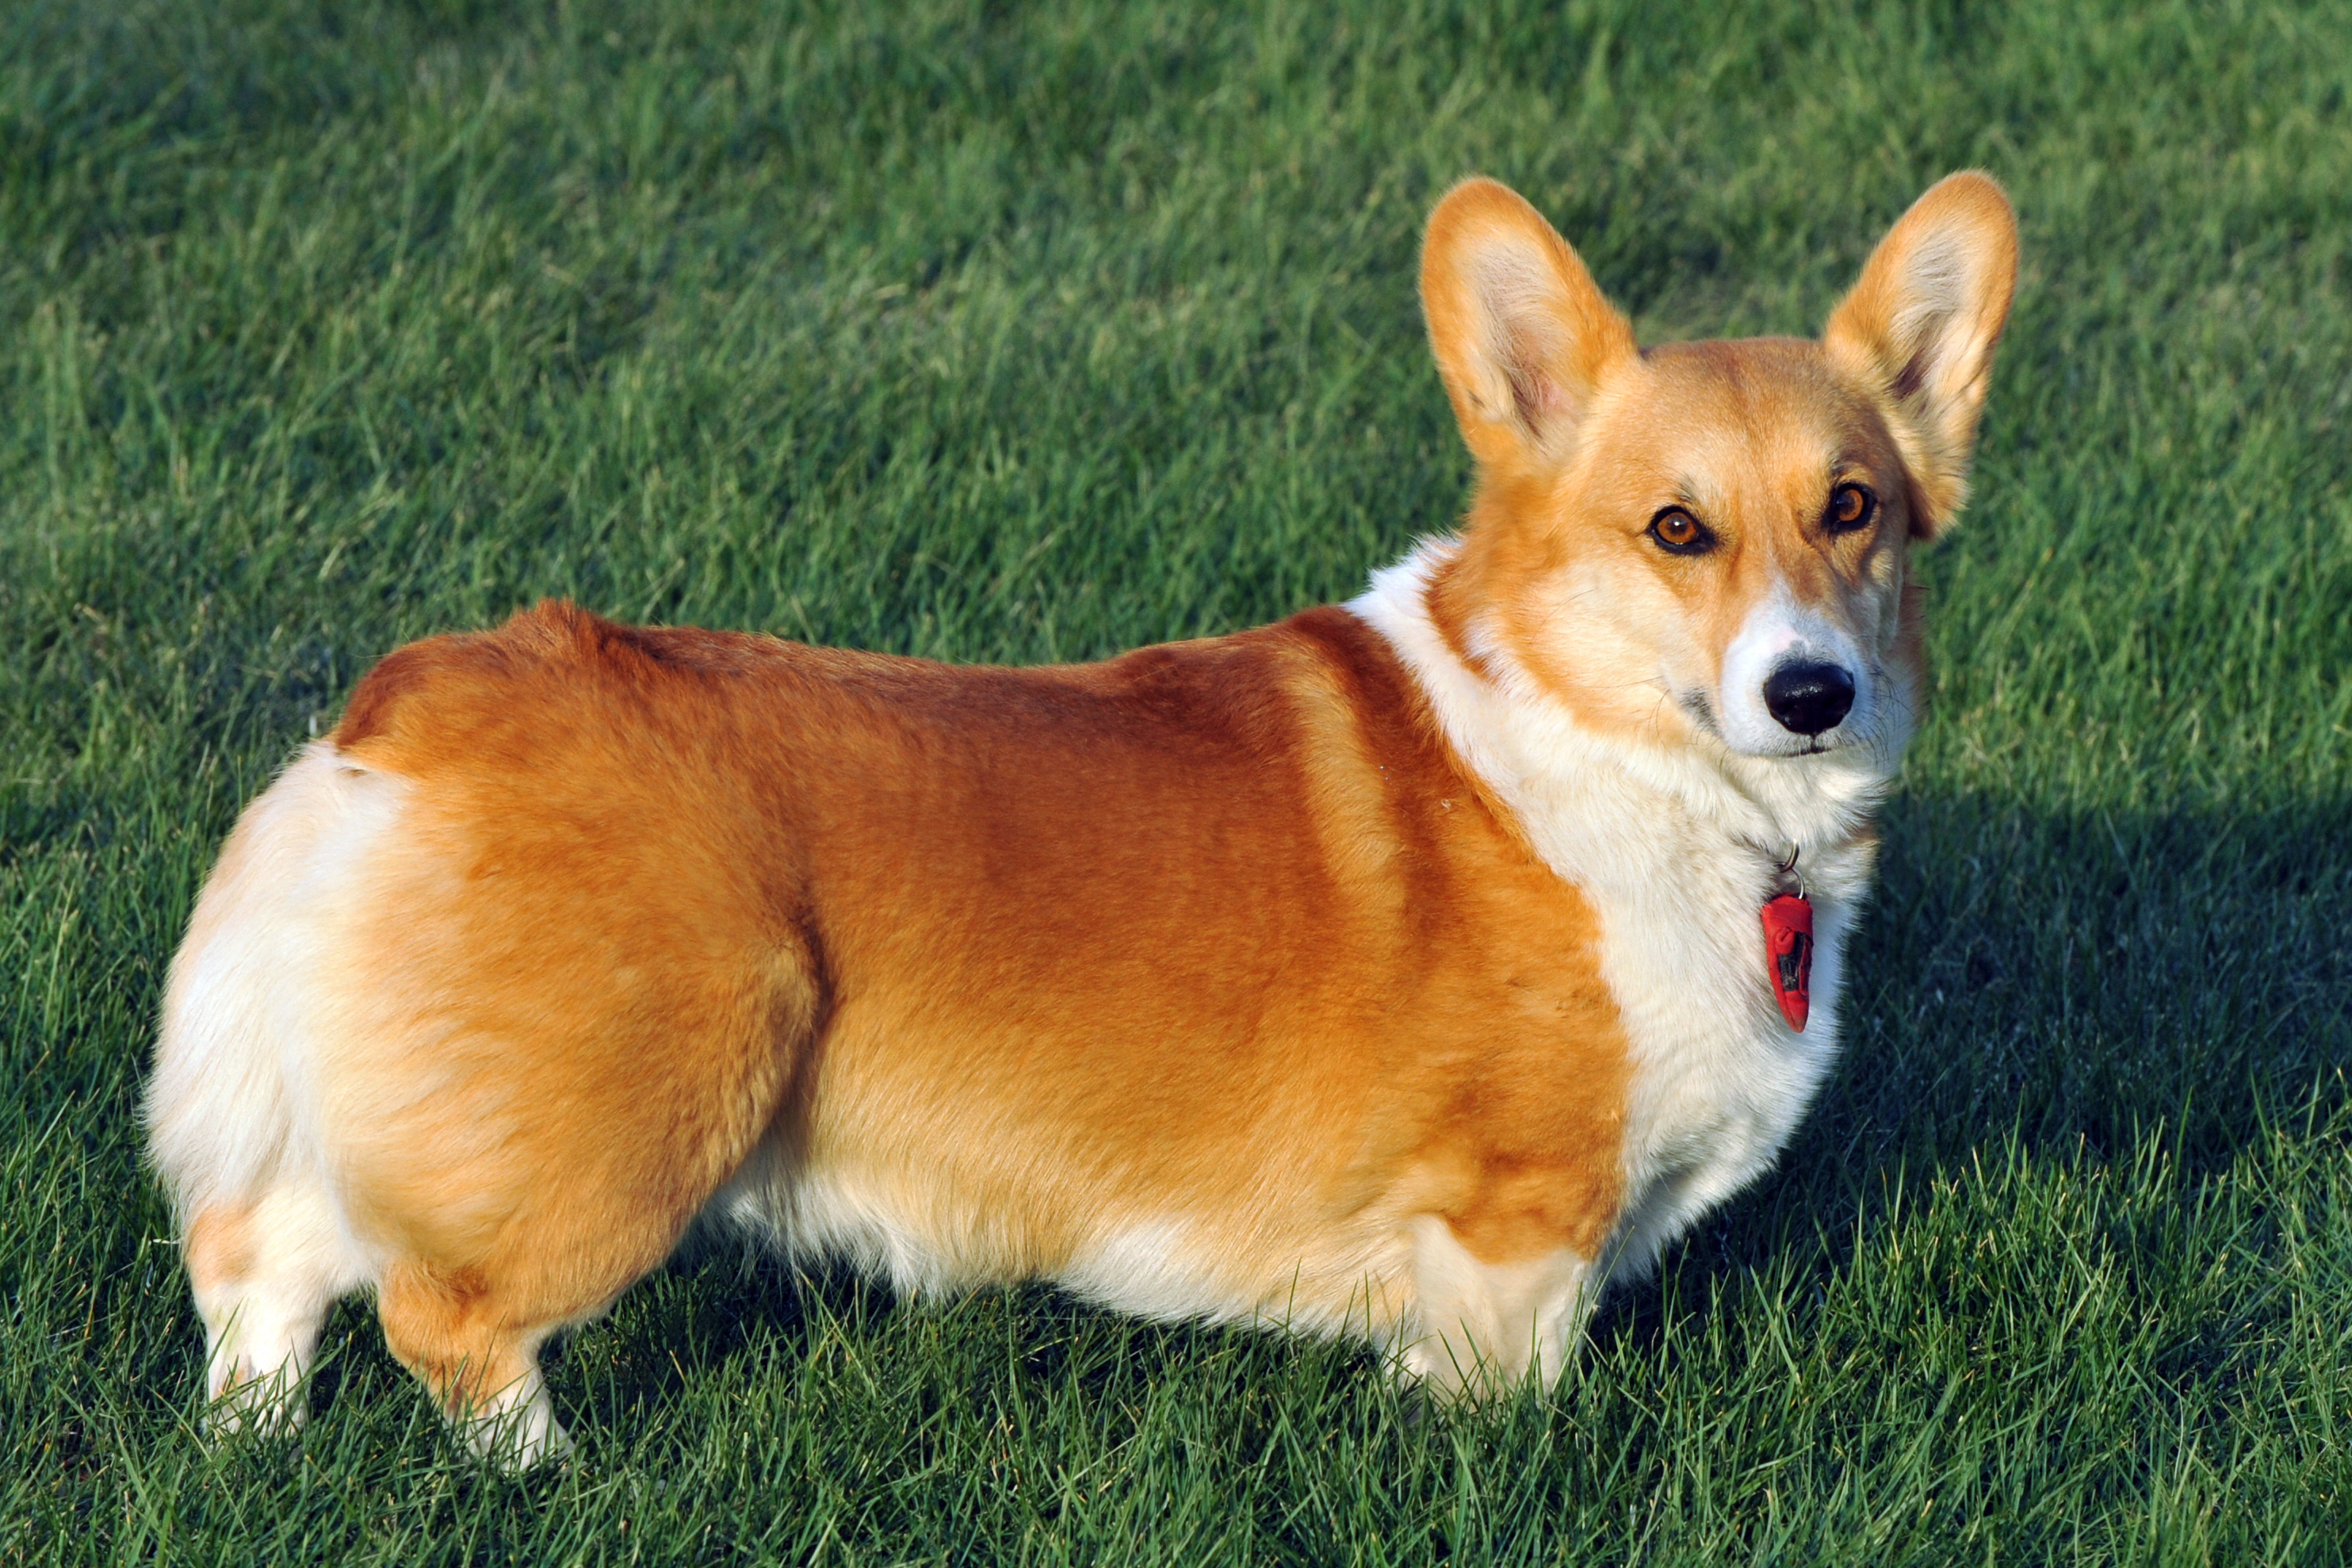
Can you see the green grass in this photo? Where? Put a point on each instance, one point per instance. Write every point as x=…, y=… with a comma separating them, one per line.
x=1040, y=333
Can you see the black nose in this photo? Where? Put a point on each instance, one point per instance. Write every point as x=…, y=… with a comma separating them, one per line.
x=1807, y=698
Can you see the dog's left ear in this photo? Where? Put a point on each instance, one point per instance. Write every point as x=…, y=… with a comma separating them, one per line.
x=1920, y=326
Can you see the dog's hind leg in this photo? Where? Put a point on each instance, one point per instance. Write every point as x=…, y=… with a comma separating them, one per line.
x=534, y=1130
x=472, y=1340
x=265, y=1272
x=466, y=1305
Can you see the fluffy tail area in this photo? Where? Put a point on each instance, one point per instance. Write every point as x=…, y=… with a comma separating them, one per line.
x=230, y=1125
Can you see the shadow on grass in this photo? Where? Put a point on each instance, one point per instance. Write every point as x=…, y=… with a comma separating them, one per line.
x=2078, y=984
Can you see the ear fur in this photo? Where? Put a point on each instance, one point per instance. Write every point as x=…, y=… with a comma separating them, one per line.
x=1920, y=326
x=1523, y=338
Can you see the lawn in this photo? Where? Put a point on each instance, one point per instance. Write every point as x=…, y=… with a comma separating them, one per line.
x=1017, y=334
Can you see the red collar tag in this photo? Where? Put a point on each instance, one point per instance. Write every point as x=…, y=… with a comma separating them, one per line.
x=1789, y=953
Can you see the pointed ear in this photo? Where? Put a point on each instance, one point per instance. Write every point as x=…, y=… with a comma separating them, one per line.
x=1920, y=326
x=1523, y=339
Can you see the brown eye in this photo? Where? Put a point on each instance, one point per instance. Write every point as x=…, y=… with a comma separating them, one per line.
x=1680, y=533
x=1850, y=507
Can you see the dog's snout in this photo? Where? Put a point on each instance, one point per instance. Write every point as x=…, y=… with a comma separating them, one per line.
x=1807, y=699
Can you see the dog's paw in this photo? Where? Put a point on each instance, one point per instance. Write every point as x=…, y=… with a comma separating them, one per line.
x=517, y=1436
x=245, y=1402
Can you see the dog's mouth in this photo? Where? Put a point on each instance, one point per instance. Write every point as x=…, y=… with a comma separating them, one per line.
x=1815, y=746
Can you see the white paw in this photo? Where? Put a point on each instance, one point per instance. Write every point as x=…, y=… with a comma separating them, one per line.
x=247, y=1401
x=517, y=1434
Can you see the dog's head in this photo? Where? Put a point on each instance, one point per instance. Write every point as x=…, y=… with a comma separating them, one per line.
x=1705, y=544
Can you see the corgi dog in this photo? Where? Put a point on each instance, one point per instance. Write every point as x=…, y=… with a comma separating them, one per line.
x=1410, y=969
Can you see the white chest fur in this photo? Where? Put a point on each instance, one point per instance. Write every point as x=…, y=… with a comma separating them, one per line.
x=1674, y=851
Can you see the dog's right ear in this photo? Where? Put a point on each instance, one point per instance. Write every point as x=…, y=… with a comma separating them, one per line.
x=1523, y=338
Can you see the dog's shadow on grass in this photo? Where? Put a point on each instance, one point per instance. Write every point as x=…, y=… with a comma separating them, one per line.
x=2078, y=979
x=723, y=1315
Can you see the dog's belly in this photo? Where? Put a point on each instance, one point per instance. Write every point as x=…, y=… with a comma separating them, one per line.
x=937, y=1225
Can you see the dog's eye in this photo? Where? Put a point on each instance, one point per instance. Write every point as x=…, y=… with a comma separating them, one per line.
x=1679, y=533
x=1850, y=507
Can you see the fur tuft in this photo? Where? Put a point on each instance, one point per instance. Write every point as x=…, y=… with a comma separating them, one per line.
x=226, y=1115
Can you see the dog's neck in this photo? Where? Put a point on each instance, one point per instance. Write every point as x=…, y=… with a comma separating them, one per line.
x=1576, y=792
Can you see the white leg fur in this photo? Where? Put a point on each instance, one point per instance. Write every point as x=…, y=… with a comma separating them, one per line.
x=1479, y=1329
x=262, y=1318
x=516, y=1428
